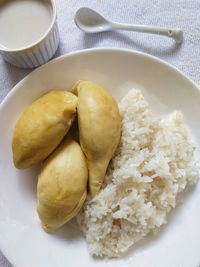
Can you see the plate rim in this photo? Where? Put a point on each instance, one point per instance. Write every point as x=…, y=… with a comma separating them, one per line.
x=93, y=50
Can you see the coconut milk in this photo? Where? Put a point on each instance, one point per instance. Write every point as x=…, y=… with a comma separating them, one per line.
x=23, y=22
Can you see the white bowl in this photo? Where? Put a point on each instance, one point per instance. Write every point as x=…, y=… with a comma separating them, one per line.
x=22, y=240
x=39, y=52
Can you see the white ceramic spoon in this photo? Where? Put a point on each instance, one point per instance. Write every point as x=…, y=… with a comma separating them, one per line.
x=90, y=21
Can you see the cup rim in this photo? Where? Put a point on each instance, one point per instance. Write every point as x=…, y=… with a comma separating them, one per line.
x=53, y=20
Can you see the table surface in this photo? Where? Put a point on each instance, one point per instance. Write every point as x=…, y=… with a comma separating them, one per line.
x=166, y=13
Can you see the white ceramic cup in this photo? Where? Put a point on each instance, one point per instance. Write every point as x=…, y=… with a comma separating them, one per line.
x=38, y=52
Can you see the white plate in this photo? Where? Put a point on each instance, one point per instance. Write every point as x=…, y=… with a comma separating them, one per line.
x=22, y=240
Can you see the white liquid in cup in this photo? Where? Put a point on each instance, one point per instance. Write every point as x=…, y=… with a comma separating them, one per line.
x=23, y=22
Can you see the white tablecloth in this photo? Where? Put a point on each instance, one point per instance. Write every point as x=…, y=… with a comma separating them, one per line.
x=170, y=13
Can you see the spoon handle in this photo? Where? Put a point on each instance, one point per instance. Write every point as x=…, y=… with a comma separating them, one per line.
x=176, y=34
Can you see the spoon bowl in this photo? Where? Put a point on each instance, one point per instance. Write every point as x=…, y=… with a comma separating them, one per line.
x=90, y=21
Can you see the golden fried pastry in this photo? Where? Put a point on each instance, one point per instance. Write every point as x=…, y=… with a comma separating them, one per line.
x=99, y=129
x=62, y=185
x=42, y=127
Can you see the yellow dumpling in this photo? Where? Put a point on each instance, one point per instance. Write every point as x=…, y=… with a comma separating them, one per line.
x=62, y=185
x=99, y=125
x=42, y=127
